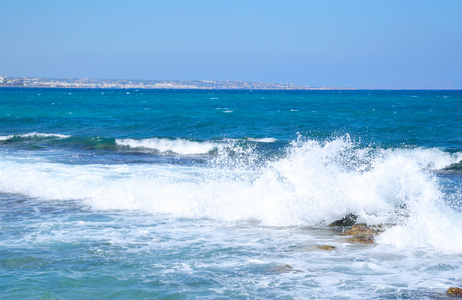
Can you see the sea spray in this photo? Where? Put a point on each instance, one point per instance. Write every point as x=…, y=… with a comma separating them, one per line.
x=313, y=184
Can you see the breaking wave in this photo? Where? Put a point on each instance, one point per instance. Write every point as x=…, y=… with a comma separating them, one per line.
x=33, y=135
x=313, y=184
x=178, y=146
x=263, y=140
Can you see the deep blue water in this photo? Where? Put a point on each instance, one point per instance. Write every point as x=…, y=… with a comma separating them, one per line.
x=422, y=118
x=211, y=194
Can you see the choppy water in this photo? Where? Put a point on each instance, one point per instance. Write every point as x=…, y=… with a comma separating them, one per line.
x=117, y=194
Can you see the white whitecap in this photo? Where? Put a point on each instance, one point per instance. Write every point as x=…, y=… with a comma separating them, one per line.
x=34, y=135
x=179, y=146
x=263, y=140
x=6, y=137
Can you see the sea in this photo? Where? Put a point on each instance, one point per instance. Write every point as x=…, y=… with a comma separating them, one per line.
x=218, y=194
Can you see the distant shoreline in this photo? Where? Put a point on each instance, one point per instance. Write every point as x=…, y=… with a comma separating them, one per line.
x=177, y=89
x=213, y=89
x=85, y=83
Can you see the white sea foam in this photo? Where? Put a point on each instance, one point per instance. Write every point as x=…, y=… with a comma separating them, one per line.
x=263, y=140
x=179, y=146
x=34, y=135
x=315, y=183
x=6, y=137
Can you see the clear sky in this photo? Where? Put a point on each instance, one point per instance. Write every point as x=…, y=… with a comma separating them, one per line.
x=356, y=43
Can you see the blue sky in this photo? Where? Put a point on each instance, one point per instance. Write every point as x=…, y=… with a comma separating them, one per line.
x=392, y=44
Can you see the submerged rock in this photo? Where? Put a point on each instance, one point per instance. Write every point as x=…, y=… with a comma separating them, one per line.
x=362, y=238
x=326, y=247
x=454, y=291
x=348, y=220
x=284, y=269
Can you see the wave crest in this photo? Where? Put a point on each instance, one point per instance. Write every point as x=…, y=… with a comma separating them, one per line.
x=33, y=135
x=314, y=183
x=178, y=146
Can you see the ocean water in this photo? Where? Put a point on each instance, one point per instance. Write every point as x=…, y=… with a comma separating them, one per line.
x=138, y=194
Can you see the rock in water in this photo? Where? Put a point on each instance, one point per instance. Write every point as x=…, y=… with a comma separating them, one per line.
x=359, y=229
x=362, y=238
x=454, y=291
x=284, y=269
x=348, y=220
x=363, y=234
x=326, y=247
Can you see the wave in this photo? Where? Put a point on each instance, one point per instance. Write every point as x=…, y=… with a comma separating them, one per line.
x=158, y=145
x=313, y=184
x=163, y=145
x=35, y=140
x=154, y=145
x=263, y=140
x=454, y=168
x=32, y=135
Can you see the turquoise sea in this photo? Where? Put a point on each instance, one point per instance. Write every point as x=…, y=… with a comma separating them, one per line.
x=194, y=194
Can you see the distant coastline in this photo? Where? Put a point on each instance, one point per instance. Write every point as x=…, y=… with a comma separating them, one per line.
x=86, y=83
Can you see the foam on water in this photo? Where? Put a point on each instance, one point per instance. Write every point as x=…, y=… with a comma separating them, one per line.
x=33, y=135
x=179, y=146
x=313, y=184
x=263, y=140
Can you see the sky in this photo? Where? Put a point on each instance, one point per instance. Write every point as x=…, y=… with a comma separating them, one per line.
x=365, y=44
